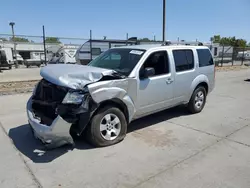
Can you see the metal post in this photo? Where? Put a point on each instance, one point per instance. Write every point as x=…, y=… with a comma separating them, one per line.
x=13, y=38
x=242, y=59
x=126, y=39
x=154, y=38
x=233, y=55
x=44, y=47
x=90, y=44
x=222, y=55
x=164, y=21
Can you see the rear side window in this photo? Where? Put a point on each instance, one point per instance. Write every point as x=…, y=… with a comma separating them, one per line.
x=184, y=60
x=205, y=57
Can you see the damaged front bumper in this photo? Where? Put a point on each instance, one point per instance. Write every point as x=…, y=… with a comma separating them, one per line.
x=55, y=135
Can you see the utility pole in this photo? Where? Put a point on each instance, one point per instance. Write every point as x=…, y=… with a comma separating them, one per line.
x=44, y=47
x=164, y=21
x=126, y=39
x=90, y=40
x=13, y=39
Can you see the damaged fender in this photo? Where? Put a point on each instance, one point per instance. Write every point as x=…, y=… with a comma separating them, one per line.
x=112, y=89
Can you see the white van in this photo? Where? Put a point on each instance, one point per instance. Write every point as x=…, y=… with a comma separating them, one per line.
x=6, y=58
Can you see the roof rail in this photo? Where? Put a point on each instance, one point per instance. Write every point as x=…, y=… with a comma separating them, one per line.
x=168, y=43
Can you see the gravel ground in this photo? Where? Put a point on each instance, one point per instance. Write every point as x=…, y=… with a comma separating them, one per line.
x=8, y=88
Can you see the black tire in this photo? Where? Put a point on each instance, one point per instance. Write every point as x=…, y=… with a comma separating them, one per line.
x=27, y=66
x=93, y=134
x=10, y=67
x=191, y=105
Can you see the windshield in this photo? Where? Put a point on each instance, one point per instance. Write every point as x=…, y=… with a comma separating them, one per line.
x=121, y=60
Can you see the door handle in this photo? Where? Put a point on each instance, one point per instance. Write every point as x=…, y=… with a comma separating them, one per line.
x=169, y=81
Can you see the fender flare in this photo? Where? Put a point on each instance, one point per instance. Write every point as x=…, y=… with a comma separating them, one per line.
x=198, y=80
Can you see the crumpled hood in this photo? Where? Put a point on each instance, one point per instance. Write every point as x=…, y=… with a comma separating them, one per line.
x=73, y=76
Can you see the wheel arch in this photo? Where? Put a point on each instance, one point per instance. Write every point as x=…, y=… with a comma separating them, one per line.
x=115, y=102
x=201, y=80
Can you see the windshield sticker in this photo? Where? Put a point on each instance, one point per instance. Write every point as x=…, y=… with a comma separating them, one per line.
x=137, y=52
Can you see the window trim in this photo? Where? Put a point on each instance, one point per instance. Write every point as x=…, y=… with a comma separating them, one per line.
x=166, y=62
x=188, y=70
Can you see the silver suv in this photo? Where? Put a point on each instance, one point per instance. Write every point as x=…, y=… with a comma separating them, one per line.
x=119, y=86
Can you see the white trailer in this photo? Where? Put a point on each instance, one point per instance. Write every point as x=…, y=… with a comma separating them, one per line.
x=93, y=48
x=6, y=57
x=65, y=54
x=245, y=55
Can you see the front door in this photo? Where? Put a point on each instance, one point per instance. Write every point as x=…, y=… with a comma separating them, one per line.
x=155, y=92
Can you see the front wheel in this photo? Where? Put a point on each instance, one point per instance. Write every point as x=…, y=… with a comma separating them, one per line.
x=198, y=100
x=108, y=127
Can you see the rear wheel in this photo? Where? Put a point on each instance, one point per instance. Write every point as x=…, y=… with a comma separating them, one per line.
x=108, y=127
x=198, y=100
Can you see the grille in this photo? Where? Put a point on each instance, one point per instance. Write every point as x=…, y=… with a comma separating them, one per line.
x=46, y=99
x=49, y=92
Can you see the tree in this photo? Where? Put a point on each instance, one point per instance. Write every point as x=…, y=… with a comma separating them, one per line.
x=241, y=43
x=229, y=41
x=232, y=41
x=19, y=39
x=215, y=39
x=52, y=40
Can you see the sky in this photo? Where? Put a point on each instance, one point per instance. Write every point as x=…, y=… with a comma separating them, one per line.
x=187, y=19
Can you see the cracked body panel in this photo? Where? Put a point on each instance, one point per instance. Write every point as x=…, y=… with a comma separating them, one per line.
x=53, y=136
x=114, y=89
x=99, y=85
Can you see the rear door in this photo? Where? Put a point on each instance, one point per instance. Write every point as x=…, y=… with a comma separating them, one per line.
x=185, y=64
x=206, y=66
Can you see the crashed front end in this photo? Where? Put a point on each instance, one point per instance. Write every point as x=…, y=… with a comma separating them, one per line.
x=53, y=110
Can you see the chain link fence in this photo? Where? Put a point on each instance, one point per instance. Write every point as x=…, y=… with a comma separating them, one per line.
x=38, y=50
x=231, y=56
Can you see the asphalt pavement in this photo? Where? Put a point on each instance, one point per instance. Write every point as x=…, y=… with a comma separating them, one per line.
x=168, y=149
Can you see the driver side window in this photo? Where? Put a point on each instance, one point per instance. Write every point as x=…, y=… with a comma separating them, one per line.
x=159, y=61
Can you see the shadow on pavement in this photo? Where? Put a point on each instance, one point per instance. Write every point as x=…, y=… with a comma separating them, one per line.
x=32, y=148
x=157, y=118
x=247, y=80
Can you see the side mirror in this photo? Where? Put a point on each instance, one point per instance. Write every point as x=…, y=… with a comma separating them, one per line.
x=147, y=72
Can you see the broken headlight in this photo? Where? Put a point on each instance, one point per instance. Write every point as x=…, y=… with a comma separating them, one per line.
x=73, y=98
